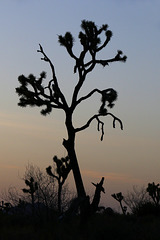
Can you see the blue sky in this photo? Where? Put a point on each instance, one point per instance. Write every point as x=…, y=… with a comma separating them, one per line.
x=126, y=157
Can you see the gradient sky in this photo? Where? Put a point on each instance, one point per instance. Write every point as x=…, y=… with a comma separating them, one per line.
x=125, y=158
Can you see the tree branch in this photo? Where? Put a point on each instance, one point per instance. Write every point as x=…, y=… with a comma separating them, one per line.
x=100, y=126
x=69, y=50
x=67, y=41
x=116, y=119
x=117, y=58
x=77, y=89
x=37, y=95
x=45, y=58
x=90, y=94
x=108, y=38
x=100, y=123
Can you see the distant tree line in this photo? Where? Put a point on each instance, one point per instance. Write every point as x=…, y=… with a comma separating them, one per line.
x=45, y=194
x=143, y=201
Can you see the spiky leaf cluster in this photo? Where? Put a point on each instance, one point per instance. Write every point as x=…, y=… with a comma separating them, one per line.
x=89, y=38
x=66, y=41
x=118, y=196
x=109, y=95
x=63, y=168
x=91, y=41
x=33, y=186
x=154, y=191
x=32, y=93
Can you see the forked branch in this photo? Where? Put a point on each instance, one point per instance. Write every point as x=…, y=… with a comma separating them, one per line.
x=106, y=91
x=100, y=124
x=88, y=95
x=55, y=85
x=45, y=58
x=117, y=58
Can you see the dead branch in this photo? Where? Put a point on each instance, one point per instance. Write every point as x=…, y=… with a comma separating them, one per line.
x=100, y=123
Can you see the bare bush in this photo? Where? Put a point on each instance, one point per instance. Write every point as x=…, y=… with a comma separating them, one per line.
x=138, y=196
x=47, y=192
x=12, y=196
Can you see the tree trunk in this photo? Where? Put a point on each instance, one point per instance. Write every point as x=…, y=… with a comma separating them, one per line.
x=69, y=144
x=33, y=207
x=59, y=197
x=122, y=208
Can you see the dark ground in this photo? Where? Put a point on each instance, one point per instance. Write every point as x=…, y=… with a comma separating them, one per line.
x=99, y=227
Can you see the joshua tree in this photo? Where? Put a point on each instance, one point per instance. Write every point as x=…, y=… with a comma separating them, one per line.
x=46, y=193
x=32, y=92
x=63, y=168
x=97, y=195
x=119, y=197
x=154, y=191
x=33, y=187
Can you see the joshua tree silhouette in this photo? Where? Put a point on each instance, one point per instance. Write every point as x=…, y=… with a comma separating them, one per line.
x=32, y=92
x=154, y=191
x=33, y=187
x=97, y=195
x=119, y=197
x=63, y=168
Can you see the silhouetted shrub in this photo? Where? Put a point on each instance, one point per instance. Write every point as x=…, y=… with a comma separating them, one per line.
x=147, y=208
x=136, y=197
x=109, y=211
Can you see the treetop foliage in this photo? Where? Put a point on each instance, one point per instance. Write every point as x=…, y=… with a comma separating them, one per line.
x=33, y=186
x=154, y=191
x=90, y=40
x=63, y=167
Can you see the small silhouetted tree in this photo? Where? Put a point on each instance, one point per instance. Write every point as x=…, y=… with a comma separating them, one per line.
x=32, y=188
x=119, y=197
x=154, y=192
x=35, y=92
x=63, y=168
x=97, y=195
x=46, y=193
